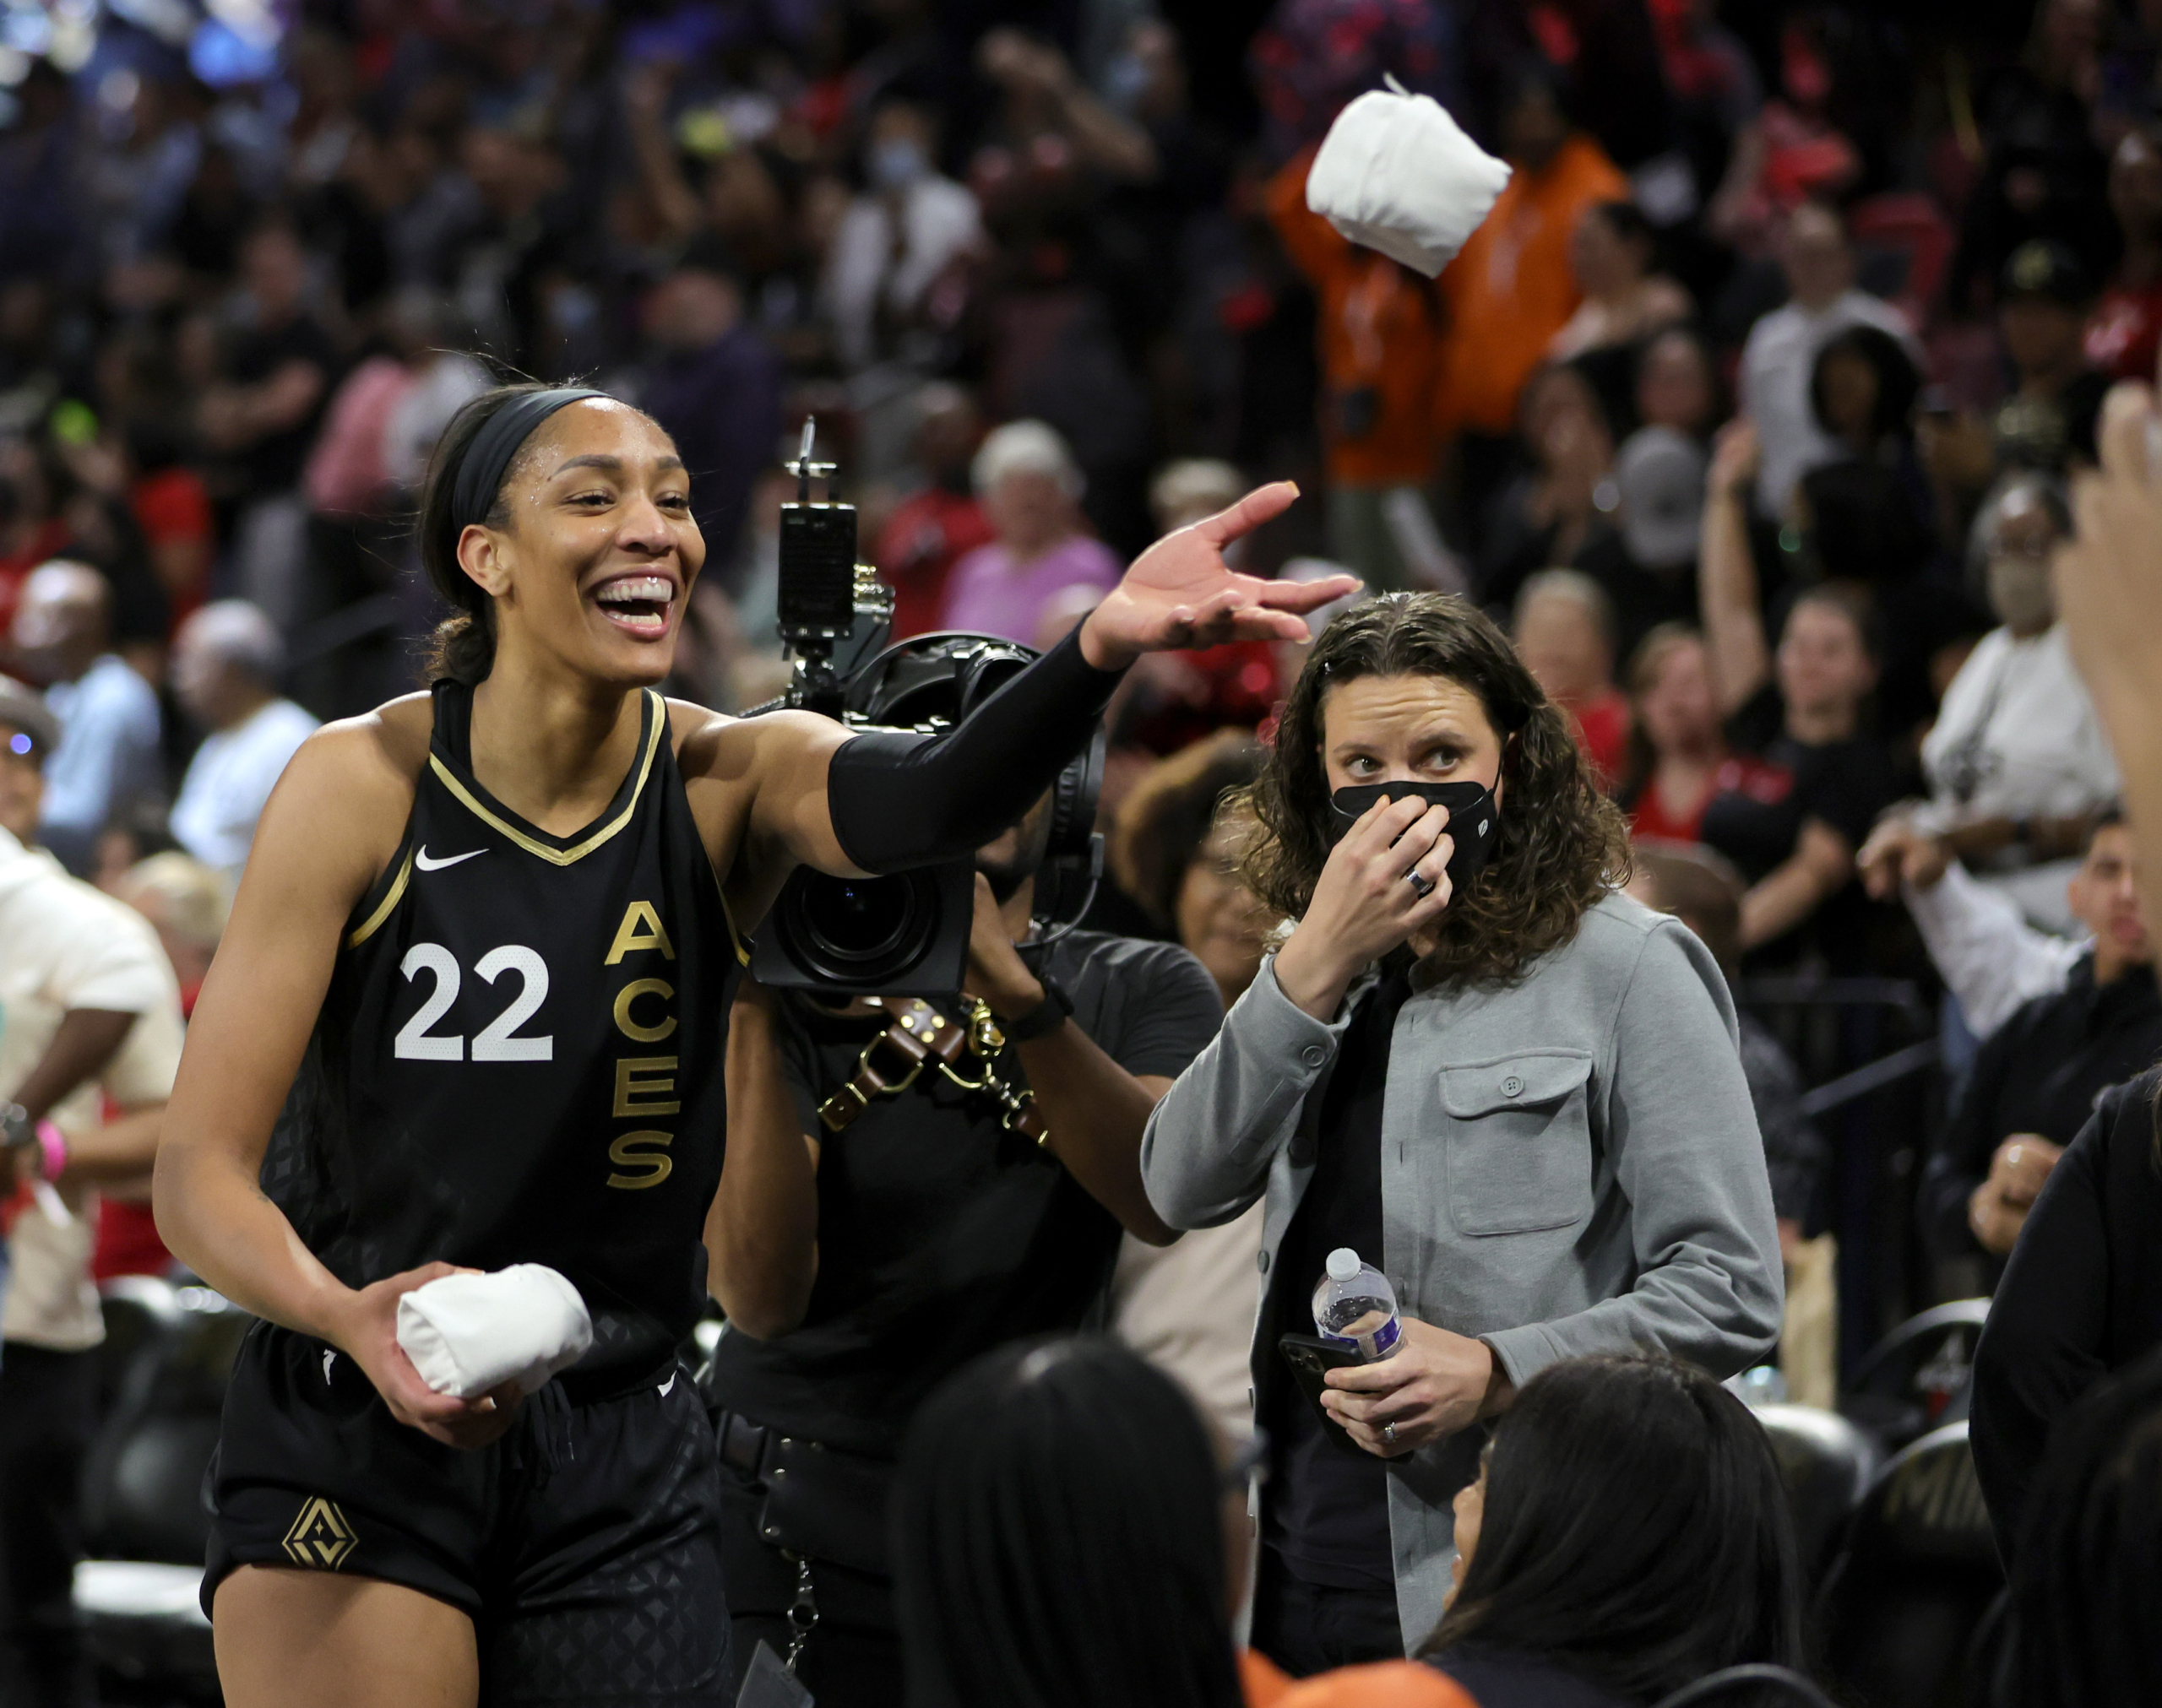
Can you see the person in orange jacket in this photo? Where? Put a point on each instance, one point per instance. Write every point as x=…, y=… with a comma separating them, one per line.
x=1511, y=288
x=1379, y=336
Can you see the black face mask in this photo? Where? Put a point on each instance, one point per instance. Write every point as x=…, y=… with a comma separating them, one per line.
x=1474, y=821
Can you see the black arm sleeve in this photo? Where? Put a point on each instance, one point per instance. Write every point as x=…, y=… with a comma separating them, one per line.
x=2043, y=1345
x=900, y=799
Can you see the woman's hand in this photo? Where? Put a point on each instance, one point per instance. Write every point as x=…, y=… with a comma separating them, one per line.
x=1180, y=593
x=1735, y=455
x=367, y=1331
x=1366, y=903
x=1436, y=1384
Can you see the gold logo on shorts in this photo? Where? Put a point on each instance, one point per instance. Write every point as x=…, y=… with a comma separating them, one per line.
x=320, y=1538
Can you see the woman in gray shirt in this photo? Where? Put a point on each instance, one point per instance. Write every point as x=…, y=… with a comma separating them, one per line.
x=1509, y=1087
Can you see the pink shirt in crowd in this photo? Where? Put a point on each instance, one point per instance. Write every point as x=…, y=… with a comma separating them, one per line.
x=990, y=594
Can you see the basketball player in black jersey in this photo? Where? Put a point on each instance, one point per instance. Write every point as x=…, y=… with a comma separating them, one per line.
x=482, y=963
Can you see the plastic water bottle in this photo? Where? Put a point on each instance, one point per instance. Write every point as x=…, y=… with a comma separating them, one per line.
x=1354, y=1307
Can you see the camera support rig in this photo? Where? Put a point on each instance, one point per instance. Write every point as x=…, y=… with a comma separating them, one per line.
x=829, y=601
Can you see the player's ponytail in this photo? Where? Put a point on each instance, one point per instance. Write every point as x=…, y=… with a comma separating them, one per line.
x=464, y=486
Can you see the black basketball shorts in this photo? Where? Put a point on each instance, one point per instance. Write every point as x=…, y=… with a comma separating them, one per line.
x=584, y=1544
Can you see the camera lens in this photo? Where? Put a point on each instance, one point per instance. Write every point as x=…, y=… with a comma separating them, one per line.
x=857, y=928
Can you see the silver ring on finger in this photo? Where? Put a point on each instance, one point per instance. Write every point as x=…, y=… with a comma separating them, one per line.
x=1388, y=1430
x=1421, y=885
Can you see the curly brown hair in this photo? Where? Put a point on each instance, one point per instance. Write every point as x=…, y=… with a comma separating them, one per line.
x=1562, y=844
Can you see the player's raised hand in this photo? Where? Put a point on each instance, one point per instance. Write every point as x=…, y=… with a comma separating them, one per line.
x=1180, y=592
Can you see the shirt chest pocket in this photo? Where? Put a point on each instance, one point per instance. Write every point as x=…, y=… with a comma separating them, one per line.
x=1518, y=1142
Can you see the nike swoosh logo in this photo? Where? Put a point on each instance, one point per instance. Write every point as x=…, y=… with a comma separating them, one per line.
x=426, y=865
x=667, y=1384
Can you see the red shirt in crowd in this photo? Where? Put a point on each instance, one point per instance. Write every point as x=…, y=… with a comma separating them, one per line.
x=1602, y=727
x=917, y=549
x=1740, y=773
x=2124, y=330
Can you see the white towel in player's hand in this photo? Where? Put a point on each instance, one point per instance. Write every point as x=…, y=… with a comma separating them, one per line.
x=469, y=1334
x=1396, y=173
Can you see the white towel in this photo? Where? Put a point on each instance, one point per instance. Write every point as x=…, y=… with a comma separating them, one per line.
x=469, y=1334
x=1396, y=173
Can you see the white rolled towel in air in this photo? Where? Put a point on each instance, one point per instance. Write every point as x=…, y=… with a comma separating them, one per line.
x=1396, y=173
x=469, y=1334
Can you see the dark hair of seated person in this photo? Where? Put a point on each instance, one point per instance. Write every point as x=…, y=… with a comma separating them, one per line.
x=1058, y=1537
x=1635, y=1532
x=2088, y=1573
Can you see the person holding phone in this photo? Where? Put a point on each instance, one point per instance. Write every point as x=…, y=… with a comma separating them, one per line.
x=1512, y=1089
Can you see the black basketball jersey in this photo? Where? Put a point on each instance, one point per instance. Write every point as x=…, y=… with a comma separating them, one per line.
x=520, y=1058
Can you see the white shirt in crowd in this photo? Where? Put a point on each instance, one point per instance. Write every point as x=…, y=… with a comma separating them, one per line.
x=938, y=220
x=2018, y=738
x=1188, y=1309
x=1776, y=365
x=65, y=945
x=1990, y=959
x=229, y=780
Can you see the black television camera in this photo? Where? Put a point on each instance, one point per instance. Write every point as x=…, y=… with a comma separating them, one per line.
x=903, y=933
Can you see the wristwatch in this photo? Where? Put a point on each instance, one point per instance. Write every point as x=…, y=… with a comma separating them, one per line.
x=17, y=1129
x=1046, y=1017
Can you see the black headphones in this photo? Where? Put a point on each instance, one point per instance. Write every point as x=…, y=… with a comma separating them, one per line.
x=934, y=680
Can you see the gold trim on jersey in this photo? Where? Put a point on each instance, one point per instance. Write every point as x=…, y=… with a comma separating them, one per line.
x=656, y=728
x=368, y=927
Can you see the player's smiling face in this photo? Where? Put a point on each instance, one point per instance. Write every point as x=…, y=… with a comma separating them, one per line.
x=601, y=551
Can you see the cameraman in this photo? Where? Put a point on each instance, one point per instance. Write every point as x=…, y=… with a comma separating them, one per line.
x=862, y=1265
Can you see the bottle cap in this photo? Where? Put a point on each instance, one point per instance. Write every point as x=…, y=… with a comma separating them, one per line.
x=1343, y=1264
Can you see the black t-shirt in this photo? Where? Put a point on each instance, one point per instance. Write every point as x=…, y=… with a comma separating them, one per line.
x=1327, y=1510
x=940, y=1234
x=1757, y=823
x=272, y=463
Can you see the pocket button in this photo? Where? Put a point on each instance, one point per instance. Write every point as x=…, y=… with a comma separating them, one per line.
x=1512, y=1086
x=1313, y=1055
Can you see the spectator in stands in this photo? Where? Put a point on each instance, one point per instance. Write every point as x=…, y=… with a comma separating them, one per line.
x=2036, y=1078
x=1680, y=759
x=1625, y=302
x=1175, y=853
x=1659, y=476
x=1564, y=633
x=2081, y=1300
x=1032, y=1484
x=186, y=902
x=262, y=414
x=910, y=226
x=93, y=1018
x=1626, y=1536
x=1862, y=390
x=1793, y=826
x=1677, y=384
x=2015, y=762
x=2124, y=333
x=1510, y=289
x=2048, y=422
x=1377, y=336
x=1023, y=582
x=108, y=757
x=1779, y=360
x=933, y=528
x=1557, y=511
x=2084, y=1578
x=1188, y=1306
x=1704, y=892
x=225, y=669
x=716, y=389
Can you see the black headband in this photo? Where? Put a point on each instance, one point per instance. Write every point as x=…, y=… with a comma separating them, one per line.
x=488, y=454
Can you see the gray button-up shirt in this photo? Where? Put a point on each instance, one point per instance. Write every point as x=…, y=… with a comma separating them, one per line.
x=1570, y=1164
